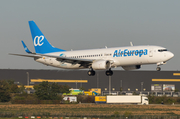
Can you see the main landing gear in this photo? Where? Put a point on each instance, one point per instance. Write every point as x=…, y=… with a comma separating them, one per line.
x=91, y=72
x=109, y=72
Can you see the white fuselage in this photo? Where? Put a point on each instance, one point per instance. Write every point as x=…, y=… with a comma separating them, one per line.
x=118, y=56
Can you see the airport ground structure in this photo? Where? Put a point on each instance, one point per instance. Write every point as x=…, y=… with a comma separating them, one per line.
x=122, y=82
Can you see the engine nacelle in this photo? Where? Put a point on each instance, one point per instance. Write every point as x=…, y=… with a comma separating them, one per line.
x=131, y=67
x=101, y=65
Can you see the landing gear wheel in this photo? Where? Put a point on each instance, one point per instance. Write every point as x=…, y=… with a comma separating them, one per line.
x=158, y=68
x=91, y=72
x=109, y=73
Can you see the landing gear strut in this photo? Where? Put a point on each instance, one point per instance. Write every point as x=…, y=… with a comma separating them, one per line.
x=159, y=64
x=109, y=72
x=158, y=68
x=91, y=72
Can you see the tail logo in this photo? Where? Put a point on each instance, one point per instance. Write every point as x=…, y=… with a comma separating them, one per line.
x=38, y=40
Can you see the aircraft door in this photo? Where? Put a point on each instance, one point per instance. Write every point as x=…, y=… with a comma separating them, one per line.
x=150, y=52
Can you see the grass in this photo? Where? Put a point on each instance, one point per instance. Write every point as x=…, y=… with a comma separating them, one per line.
x=87, y=109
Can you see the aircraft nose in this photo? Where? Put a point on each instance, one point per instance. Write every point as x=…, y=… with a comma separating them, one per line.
x=171, y=55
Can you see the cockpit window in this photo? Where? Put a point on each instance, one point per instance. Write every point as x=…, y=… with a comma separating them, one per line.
x=162, y=50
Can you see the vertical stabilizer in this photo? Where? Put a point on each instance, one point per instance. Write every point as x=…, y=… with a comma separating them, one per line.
x=41, y=44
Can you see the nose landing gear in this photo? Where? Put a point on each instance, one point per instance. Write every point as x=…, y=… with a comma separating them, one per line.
x=158, y=64
x=158, y=68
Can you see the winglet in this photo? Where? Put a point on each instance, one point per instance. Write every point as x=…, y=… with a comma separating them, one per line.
x=26, y=48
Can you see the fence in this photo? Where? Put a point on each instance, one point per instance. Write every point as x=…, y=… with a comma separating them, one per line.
x=145, y=93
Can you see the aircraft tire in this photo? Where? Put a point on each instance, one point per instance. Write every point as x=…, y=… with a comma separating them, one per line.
x=109, y=73
x=91, y=73
x=158, y=68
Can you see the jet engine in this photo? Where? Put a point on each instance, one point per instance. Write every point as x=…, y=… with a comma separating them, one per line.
x=131, y=67
x=101, y=65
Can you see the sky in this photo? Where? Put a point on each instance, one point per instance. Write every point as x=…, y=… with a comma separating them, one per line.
x=88, y=24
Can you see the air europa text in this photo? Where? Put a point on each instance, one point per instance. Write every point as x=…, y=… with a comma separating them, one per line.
x=126, y=53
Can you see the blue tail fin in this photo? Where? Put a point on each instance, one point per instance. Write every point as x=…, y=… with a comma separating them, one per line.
x=41, y=45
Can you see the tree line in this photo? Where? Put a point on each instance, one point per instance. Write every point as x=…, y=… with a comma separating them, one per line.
x=43, y=91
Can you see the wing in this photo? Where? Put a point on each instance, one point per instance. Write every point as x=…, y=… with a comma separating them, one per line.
x=83, y=62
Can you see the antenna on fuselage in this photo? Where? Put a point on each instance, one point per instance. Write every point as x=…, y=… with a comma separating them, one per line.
x=131, y=44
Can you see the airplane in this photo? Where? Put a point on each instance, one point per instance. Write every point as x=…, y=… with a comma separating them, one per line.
x=129, y=58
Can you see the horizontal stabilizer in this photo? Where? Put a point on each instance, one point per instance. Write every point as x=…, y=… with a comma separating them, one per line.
x=27, y=55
